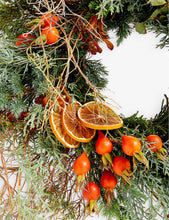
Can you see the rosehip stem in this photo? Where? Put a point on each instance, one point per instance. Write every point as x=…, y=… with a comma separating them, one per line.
x=119, y=132
x=66, y=93
x=27, y=140
x=115, y=141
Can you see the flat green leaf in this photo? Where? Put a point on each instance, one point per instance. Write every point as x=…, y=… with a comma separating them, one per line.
x=163, y=10
x=155, y=14
x=141, y=28
x=157, y=2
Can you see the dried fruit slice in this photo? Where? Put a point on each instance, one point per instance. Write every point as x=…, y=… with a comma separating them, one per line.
x=59, y=131
x=99, y=116
x=73, y=126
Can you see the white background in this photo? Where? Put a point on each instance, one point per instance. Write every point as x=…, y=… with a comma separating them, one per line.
x=138, y=77
x=138, y=74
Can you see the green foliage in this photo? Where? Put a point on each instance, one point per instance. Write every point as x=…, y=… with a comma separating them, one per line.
x=20, y=75
x=148, y=186
x=106, y=7
x=41, y=160
x=96, y=74
x=160, y=29
x=121, y=14
x=158, y=125
x=13, y=16
x=120, y=23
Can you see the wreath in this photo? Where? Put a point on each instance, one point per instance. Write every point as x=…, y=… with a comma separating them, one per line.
x=65, y=153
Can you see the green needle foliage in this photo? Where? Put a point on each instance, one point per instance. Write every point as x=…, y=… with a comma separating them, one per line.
x=38, y=181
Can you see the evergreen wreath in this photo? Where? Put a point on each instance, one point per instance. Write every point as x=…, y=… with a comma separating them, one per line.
x=65, y=153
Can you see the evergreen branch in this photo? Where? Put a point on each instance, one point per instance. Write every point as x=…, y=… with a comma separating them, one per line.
x=42, y=165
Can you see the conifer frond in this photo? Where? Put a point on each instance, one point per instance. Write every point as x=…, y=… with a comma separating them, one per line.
x=36, y=78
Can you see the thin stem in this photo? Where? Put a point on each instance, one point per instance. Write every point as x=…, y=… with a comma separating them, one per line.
x=115, y=141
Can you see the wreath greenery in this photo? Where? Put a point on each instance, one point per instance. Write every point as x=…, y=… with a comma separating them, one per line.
x=38, y=77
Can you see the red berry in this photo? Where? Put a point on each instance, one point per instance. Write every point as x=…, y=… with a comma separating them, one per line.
x=81, y=165
x=49, y=19
x=103, y=144
x=91, y=192
x=51, y=33
x=130, y=145
x=108, y=180
x=24, y=39
x=120, y=164
x=155, y=142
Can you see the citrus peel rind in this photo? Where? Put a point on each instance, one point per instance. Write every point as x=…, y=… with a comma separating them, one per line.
x=59, y=131
x=99, y=116
x=73, y=125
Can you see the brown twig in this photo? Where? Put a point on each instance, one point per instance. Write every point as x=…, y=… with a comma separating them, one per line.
x=7, y=177
x=10, y=168
x=28, y=138
x=115, y=141
x=158, y=199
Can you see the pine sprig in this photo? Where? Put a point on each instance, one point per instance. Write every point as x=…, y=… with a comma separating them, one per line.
x=45, y=184
x=96, y=74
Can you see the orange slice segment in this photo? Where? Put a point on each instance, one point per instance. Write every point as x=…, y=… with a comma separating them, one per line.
x=73, y=126
x=59, y=131
x=99, y=116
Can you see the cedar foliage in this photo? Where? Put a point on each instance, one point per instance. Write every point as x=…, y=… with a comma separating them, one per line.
x=39, y=166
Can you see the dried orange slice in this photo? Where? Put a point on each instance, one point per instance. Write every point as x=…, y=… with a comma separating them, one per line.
x=73, y=126
x=99, y=116
x=59, y=131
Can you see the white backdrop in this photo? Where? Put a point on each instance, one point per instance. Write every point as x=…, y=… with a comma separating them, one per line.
x=138, y=74
x=138, y=77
